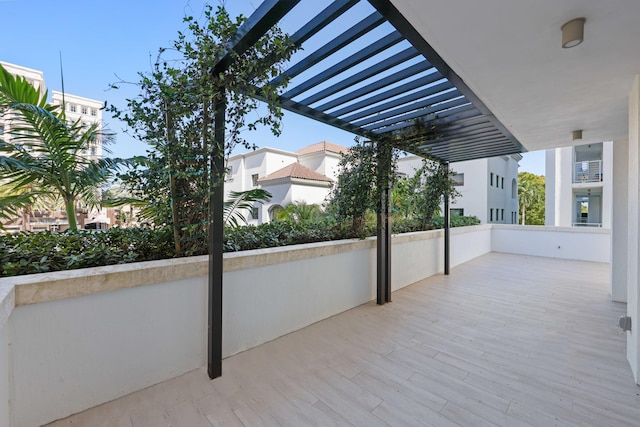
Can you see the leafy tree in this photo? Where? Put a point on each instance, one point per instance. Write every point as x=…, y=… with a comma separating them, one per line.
x=174, y=114
x=354, y=192
x=44, y=157
x=300, y=212
x=531, y=198
x=431, y=184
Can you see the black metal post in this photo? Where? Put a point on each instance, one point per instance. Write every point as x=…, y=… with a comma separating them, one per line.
x=216, y=230
x=446, y=228
x=383, y=227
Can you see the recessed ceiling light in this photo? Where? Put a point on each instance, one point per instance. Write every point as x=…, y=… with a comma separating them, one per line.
x=573, y=32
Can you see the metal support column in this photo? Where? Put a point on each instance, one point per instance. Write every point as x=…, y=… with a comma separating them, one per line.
x=446, y=227
x=383, y=228
x=216, y=230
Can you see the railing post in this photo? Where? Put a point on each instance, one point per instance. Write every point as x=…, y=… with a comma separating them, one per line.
x=216, y=232
x=446, y=228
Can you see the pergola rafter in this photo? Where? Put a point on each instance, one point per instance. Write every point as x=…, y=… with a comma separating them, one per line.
x=377, y=78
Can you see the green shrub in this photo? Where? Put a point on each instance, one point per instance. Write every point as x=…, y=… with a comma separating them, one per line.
x=28, y=253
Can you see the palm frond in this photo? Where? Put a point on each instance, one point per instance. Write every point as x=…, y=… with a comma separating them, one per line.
x=242, y=201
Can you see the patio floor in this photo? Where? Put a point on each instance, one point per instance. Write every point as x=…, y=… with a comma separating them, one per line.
x=505, y=340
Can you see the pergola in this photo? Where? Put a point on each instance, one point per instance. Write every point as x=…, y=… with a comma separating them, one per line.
x=376, y=77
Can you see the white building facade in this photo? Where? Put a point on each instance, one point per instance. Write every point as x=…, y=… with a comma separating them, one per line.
x=579, y=186
x=488, y=187
x=306, y=175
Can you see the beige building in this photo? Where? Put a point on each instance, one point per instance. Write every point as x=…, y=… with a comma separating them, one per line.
x=88, y=111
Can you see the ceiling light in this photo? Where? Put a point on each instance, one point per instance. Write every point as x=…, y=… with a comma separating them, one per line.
x=573, y=32
x=576, y=135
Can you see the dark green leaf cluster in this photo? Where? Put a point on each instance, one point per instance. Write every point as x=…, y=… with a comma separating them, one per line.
x=28, y=253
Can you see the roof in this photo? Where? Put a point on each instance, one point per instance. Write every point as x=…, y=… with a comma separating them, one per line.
x=365, y=69
x=296, y=170
x=323, y=146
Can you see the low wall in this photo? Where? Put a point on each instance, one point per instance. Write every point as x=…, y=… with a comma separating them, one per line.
x=80, y=338
x=576, y=243
x=83, y=337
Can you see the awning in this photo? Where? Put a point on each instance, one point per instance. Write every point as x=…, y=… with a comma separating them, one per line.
x=364, y=69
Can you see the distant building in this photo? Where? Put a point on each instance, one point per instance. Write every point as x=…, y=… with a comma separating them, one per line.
x=306, y=175
x=88, y=111
x=488, y=187
x=579, y=186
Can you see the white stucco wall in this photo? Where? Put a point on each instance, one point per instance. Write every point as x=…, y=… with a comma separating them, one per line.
x=619, y=220
x=633, y=259
x=577, y=243
x=4, y=375
x=72, y=354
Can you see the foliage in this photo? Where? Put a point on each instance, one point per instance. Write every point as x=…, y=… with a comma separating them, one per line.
x=44, y=158
x=175, y=115
x=242, y=201
x=531, y=198
x=300, y=212
x=29, y=253
x=354, y=191
x=430, y=185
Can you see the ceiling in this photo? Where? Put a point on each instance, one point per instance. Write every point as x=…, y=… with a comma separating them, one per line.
x=509, y=53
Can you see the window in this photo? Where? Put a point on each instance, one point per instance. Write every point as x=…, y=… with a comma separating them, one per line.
x=1, y=130
x=502, y=214
x=502, y=183
x=497, y=185
x=94, y=112
x=254, y=179
x=491, y=213
x=457, y=212
x=458, y=179
x=254, y=213
x=84, y=110
x=72, y=108
x=491, y=181
x=229, y=171
x=93, y=151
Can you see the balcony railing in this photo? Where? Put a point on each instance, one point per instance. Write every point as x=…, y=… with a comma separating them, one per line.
x=587, y=171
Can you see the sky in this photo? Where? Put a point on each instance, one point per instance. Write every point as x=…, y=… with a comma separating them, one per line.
x=105, y=42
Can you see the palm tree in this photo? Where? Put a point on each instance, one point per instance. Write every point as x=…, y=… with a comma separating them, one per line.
x=44, y=155
x=300, y=212
x=529, y=193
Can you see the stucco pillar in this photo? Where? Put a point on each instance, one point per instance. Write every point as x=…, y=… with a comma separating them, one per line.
x=633, y=259
x=607, y=182
x=550, y=188
x=619, y=219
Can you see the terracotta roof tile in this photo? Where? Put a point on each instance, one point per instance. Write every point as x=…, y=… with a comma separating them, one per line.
x=323, y=146
x=296, y=170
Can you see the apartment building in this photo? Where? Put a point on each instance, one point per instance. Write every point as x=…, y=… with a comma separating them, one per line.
x=579, y=186
x=488, y=187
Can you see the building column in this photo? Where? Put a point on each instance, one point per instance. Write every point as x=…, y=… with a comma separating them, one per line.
x=633, y=258
x=619, y=219
x=607, y=182
x=550, y=188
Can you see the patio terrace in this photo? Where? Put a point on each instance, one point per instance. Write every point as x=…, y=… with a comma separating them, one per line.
x=505, y=340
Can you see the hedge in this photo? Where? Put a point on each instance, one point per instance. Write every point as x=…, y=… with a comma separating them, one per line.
x=28, y=253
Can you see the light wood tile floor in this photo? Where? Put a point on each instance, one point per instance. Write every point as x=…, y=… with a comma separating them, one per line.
x=505, y=340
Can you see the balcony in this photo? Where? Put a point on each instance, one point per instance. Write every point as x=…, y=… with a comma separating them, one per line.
x=509, y=337
x=587, y=171
x=505, y=340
